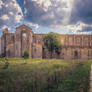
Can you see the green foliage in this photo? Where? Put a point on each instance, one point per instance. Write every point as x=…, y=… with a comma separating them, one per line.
x=44, y=75
x=77, y=81
x=6, y=65
x=26, y=54
x=52, y=42
x=4, y=59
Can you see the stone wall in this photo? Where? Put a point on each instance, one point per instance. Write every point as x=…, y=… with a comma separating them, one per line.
x=2, y=46
x=23, y=40
x=73, y=46
x=37, y=51
x=7, y=45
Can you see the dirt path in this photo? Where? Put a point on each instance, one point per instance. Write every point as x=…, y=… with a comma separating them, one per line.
x=91, y=80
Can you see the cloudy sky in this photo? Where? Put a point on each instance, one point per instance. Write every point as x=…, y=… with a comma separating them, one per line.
x=43, y=16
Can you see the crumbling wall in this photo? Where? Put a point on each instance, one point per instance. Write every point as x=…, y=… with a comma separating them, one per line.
x=73, y=46
x=37, y=51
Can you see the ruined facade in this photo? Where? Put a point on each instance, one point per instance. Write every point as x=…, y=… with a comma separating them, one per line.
x=73, y=46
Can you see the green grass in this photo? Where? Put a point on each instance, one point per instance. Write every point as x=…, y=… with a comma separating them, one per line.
x=43, y=75
x=77, y=81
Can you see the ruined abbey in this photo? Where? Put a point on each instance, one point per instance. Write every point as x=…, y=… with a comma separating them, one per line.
x=73, y=46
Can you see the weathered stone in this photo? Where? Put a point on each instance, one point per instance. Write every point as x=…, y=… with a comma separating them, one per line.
x=73, y=46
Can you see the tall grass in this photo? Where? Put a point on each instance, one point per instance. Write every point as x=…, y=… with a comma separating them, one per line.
x=77, y=81
x=43, y=75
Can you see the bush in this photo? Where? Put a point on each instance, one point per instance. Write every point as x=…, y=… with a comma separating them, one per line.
x=26, y=54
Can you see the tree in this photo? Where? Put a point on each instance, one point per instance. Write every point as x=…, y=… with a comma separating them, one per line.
x=52, y=42
x=26, y=55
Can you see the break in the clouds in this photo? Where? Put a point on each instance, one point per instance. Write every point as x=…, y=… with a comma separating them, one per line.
x=72, y=15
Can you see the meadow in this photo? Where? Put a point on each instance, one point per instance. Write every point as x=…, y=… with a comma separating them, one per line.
x=44, y=75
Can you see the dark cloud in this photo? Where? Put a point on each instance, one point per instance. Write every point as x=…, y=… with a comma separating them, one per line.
x=54, y=15
x=34, y=12
x=82, y=11
x=48, y=13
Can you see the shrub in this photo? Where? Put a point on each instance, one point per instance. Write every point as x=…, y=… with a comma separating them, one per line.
x=26, y=54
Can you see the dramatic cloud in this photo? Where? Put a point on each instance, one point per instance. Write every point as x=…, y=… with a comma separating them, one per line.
x=82, y=11
x=75, y=16
x=10, y=13
x=44, y=4
x=48, y=12
x=4, y=17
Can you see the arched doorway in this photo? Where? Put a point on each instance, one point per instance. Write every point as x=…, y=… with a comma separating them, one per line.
x=76, y=54
x=24, y=42
x=43, y=53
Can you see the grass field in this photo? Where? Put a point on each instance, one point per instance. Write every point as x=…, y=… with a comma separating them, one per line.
x=43, y=75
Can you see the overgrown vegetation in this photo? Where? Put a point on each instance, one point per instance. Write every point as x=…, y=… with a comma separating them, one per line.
x=44, y=75
x=77, y=81
x=26, y=55
x=52, y=42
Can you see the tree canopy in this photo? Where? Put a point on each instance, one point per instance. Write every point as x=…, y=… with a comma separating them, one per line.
x=53, y=42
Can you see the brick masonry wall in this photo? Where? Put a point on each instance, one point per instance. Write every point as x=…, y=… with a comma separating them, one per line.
x=73, y=46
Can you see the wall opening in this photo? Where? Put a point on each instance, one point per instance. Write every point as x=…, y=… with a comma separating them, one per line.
x=43, y=52
x=24, y=36
x=8, y=53
x=24, y=42
x=76, y=54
